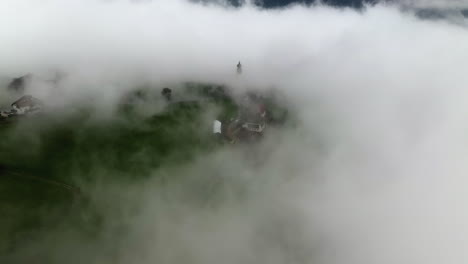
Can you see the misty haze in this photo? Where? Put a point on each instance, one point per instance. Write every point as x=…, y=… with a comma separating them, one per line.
x=219, y=132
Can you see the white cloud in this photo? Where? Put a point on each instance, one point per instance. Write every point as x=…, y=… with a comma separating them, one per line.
x=383, y=92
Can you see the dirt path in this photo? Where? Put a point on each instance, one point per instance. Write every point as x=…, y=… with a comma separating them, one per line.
x=6, y=173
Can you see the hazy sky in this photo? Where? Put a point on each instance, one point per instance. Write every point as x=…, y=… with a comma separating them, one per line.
x=361, y=3
x=278, y=3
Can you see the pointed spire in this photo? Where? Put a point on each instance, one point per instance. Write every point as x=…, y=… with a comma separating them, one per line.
x=239, y=68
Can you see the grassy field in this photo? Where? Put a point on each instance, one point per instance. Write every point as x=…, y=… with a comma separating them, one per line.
x=50, y=162
x=46, y=159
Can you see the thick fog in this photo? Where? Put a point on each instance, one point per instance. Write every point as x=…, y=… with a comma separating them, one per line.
x=375, y=172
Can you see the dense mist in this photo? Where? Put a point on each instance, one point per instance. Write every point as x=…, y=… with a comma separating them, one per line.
x=373, y=171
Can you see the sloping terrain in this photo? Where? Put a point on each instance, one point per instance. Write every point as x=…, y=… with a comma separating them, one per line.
x=51, y=162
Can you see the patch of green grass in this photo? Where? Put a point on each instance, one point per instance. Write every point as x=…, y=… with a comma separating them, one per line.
x=38, y=154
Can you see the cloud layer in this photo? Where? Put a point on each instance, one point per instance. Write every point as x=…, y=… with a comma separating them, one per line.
x=375, y=173
x=435, y=3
